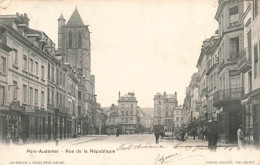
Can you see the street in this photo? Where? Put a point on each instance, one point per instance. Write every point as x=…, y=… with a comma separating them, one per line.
x=136, y=149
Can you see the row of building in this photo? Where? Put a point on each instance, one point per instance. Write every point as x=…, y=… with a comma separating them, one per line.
x=127, y=117
x=225, y=92
x=46, y=93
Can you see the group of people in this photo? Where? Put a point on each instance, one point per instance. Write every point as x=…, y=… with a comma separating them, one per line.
x=211, y=135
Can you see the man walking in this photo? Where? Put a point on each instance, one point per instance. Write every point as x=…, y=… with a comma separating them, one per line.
x=157, y=135
x=240, y=137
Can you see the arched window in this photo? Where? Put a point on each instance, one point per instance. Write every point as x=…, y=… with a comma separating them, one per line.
x=70, y=39
x=79, y=39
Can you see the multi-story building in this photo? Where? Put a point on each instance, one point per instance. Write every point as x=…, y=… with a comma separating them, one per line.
x=45, y=93
x=128, y=113
x=231, y=40
x=164, y=105
x=25, y=89
x=178, y=118
x=186, y=107
x=249, y=67
x=112, y=120
x=195, y=102
x=74, y=42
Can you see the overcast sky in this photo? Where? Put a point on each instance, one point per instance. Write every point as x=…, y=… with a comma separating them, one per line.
x=137, y=46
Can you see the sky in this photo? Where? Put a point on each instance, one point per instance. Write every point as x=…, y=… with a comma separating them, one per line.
x=145, y=46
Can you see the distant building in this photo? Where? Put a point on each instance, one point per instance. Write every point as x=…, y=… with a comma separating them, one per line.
x=178, y=118
x=112, y=119
x=128, y=113
x=164, y=106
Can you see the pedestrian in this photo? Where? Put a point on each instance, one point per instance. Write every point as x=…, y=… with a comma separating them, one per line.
x=117, y=132
x=182, y=135
x=186, y=136
x=240, y=137
x=157, y=135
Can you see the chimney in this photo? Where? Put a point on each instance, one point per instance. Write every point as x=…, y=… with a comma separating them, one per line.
x=164, y=93
x=176, y=95
x=119, y=94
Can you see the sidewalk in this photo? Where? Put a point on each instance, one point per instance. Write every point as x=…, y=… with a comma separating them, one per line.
x=200, y=143
x=69, y=141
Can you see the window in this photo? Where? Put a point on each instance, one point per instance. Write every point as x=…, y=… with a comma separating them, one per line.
x=122, y=113
x=52, y=73
x=48, y=95
x=73, y=108
x=42, y=98
x=57, y=99
x=15, y=89
x=24, y=62
x=63, y=100
x=159, y=102
x=79, y=39
x=24, y=93
x=70, y=39
x=131, y=112
x=255, y=8
x=255, y=60
x=126, y=113
x=36, y=97
x=42, y=74
x=234, y=47
x=132, y=106
x=52, y=96
x=3, y=65
x=249, y=45
x=177, y=118
x=31, y=65
x=2, y=95
x=49, y=71
x=63, y=79
x=234, y=79
x=233, y=13
x=57, y=76
x=79, y=95
x=31, y=96
x=15, y=57
x=79, y=110
x=36, y=68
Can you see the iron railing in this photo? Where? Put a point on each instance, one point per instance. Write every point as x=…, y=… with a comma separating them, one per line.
x=225, y=95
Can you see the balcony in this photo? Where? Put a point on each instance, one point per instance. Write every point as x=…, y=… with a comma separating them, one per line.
x=227, y=95
x=244, y=62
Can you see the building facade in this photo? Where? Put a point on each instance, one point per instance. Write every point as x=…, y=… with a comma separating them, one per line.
x=164, y=106
x=45, y=95
x=248, y=66
x=128, y=113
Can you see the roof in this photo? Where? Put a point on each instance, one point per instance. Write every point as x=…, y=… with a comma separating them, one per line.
x=75, y=19
x=61, y=17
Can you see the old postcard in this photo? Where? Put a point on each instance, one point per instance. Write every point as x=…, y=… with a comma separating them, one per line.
x=123, y=82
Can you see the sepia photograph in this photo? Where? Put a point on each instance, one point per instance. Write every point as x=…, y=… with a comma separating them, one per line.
x=130, y=82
